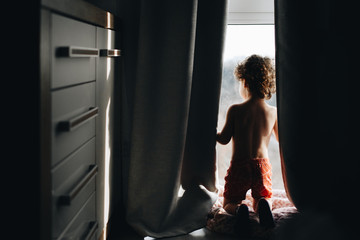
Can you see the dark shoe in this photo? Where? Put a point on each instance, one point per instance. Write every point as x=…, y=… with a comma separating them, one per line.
x=265, y=214
x=242, y=223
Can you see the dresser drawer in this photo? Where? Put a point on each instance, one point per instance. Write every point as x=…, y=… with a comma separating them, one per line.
x=73, y=119
x=73, y=183
x=73, y=51
x=75, y=170
x=63, y=212
x=83, y=225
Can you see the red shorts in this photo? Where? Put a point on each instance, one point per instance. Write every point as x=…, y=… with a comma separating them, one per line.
x=254, y=174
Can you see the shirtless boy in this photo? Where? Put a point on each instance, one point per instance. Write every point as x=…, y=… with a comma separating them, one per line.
x=250, y=125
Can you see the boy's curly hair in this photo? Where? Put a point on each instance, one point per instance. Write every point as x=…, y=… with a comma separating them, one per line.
x=259, y=74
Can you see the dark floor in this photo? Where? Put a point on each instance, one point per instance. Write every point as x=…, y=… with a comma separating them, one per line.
x=308, y=225
x=120, y=230
x=200, y=234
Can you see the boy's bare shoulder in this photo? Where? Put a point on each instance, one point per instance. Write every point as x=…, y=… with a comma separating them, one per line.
x=237, y=110
x=272, y=110
x=236, y=107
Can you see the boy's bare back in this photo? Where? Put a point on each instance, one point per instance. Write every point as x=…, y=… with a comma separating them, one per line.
x=250, y=124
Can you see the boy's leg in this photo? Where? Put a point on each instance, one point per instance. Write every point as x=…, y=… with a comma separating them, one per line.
x=265, y=213
x=256, y=202
x=241, y=212
x=230, y=206
x=261, y=187
x=242, y=223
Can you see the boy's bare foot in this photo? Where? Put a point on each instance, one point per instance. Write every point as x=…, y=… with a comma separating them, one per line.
x=242, y=225
x=265, y=214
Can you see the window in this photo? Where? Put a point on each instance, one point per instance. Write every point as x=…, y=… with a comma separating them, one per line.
x=243, y=41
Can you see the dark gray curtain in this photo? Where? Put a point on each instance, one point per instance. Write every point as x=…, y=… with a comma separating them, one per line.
x=172, y=112
x=199, y=163
x=315, y=64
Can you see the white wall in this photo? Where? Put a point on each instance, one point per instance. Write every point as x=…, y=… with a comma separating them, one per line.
x=251, y=12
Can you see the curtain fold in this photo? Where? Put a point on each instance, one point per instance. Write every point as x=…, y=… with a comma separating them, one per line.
x=199, y=164
x=175, y=45
x=313, y=52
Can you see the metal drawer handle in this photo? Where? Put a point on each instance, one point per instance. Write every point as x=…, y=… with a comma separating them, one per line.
x=66, y=199
x=93, y=227
x=73, y=51
x=70, y=125
x=110, y=52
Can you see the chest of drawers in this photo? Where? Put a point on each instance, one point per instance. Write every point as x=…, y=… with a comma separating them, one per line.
x=79, y=96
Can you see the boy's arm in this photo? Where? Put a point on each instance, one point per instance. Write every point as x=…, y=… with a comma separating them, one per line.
x=275, y=130
x=225, y=135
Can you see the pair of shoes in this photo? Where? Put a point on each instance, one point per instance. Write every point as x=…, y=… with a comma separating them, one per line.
x=242, y=223
x=265, y=214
